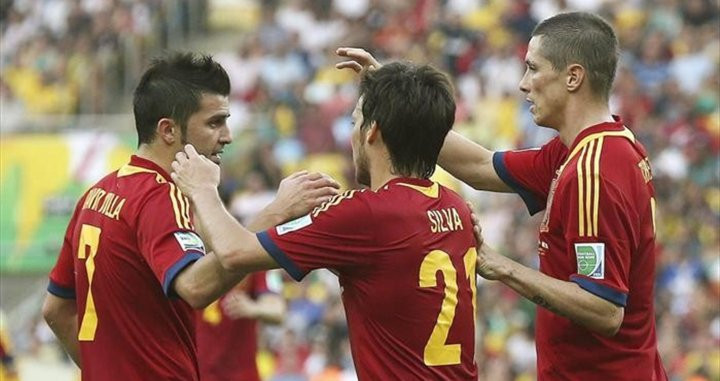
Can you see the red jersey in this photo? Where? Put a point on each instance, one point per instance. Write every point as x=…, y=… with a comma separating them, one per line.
x=599, y=232
x=227, y=347
x=129, y=237
x=405, y=257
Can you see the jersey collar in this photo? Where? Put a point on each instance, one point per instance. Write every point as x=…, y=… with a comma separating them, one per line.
x=138, y=164
x=615, y=126
x=425, y=186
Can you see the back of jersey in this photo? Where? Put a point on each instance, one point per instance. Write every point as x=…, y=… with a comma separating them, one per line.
x=406, y=258
x=124, y=244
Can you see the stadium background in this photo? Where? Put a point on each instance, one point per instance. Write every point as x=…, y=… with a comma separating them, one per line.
x=69, y=67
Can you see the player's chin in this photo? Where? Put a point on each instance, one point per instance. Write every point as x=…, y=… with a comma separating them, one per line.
x=215, y=158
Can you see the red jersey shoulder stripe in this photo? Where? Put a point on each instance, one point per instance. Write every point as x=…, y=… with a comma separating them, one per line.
x=180, y=203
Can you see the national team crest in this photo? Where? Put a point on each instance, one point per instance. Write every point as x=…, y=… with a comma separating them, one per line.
x=590, y=259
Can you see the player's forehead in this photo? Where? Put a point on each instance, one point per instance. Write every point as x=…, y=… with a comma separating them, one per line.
x=213, y=104
x=534, y=50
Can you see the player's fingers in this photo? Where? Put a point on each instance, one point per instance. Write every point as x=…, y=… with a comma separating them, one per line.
x=349, y=65
x=343, y=51
x=324, y=192
x=353, y=53
x=175, y=166
x=181, y=157
x=333, y=182
x=323, y=182
x=318, y=179
x=297, y=174
x=190, y=151
x=321, y=200
x=312, y=176
x=360, y=55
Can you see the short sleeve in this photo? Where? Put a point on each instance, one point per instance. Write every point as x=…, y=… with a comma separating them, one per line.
x=62, y=276
x=165, y=234
x=599, y=237
x=530, y=172
x=336, y=235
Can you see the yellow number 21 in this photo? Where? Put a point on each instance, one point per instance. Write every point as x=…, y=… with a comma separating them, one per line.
x=89, y=239
x=437, y=352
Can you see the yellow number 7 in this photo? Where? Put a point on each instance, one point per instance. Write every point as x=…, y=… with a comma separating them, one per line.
x=437, y=352
x=89, y=239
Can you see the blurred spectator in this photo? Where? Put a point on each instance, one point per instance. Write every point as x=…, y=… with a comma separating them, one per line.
x=80, y=56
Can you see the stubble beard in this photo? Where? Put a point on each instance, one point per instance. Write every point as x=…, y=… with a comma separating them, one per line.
x=362, y=171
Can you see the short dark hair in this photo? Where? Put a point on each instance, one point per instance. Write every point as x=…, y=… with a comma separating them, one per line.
x=414, y=109
x=585, y=39
x=172, y=88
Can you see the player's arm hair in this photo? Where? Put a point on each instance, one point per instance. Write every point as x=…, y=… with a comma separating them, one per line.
x=236, y=247
x=61, y=316
x=564, y=298
x=234, y=252
x=471, y=163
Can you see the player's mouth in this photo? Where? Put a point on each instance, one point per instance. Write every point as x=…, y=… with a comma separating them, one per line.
x=216, y=157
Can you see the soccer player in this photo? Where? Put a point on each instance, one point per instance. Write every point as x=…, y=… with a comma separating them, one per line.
x=132, y=266
x=597, y=238
x=404, y=249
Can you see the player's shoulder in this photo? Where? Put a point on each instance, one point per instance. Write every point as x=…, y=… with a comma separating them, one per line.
x=619, y=152
x=146, y=182
x=353, y=202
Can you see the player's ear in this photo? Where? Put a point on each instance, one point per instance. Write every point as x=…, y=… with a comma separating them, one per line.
x=167, y=130
x=575, y=77
x=372, y=133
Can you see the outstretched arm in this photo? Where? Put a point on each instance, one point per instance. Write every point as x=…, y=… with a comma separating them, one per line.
x=564, y=298
x=471, y=163
x=235, y=251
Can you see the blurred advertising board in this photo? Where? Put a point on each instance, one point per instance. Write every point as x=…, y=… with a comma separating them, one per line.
x=41, y=178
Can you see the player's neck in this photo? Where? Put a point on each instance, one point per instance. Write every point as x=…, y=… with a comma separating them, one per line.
x=580, y=116
x=378, y=179
x=162, y=159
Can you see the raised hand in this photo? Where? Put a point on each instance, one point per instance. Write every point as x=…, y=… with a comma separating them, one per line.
x=193, y=172
x=302, y=191
x=489, y=261
x=358, y=60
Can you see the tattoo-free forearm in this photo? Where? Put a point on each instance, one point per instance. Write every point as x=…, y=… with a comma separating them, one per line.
x=564, y=298
x=471, y=163
x=266, y=219
x=236, y=247
x=61, y=316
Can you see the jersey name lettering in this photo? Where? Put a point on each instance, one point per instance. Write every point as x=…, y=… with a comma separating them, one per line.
x=444, y=220
x=107, y=203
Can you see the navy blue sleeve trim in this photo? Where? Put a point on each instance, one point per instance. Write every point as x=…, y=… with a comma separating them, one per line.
x=279, y=256
x=530, y=201
x=189, y=257
x=60, y=292
x=597, y=289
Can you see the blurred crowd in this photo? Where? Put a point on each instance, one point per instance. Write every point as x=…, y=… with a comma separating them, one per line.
x=290, y=110
x=83, y=56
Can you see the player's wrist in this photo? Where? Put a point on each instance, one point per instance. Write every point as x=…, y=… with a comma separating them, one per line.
x=203, y=193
